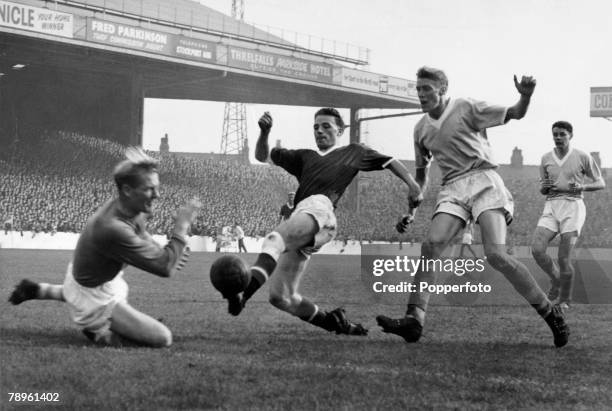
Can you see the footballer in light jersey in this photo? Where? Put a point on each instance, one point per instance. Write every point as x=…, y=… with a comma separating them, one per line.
x=563, y=172
x=115, y=236
x=239, y=235
x=453, y=131
x=323, y=176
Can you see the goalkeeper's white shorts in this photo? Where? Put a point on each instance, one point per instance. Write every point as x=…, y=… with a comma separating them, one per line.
x=91, y=307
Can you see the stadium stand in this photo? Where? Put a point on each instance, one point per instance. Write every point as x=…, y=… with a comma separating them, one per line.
x=51, y=182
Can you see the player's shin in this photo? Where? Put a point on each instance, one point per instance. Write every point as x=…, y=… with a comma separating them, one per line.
x=547, y=264
x=521, y=279
x=566, y=278
x=419, y=299
x=265, y=264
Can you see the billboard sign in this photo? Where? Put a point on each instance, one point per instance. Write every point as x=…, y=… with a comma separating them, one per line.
x=132, y=37
x=45, y=21
x=377, y=83
x=601, y=101
x=193, y=49
x=401, y=87
x=358, y=79
x=138, y=38
x=277, y=64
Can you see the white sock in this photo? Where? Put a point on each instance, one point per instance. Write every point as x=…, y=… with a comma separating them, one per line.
x=48, y=291
x=273, y=245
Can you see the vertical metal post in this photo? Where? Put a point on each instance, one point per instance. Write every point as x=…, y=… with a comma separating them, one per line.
x=234, y=134
x=354, y=137
x=136, y=102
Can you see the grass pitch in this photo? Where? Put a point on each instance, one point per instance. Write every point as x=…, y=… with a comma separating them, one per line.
x=480, y=357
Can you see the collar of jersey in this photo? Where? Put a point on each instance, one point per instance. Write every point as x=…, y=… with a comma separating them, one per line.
x=447, y=110
x=560, y=161
x=322, y=154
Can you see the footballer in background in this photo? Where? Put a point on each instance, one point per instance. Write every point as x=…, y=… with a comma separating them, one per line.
x=564, y=172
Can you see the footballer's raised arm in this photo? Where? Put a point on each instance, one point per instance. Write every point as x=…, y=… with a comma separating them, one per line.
x=262, y=148
x=525, y=88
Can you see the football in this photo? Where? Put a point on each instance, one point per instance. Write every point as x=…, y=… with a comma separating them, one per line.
x=229, y=275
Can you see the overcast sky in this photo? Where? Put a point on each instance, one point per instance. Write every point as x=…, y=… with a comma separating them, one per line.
x=565, y=44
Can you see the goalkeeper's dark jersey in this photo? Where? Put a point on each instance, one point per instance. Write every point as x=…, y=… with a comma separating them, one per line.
x=328, y=174
x=111, y=240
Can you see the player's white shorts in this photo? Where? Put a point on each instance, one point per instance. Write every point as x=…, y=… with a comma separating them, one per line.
x=468, y=196
x=322, y=210
x=91, y=308
x=563, y=216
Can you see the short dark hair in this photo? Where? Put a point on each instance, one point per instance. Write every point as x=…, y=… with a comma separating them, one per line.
x=433, y=74
x=564, y=125
x=135, y=165
x=329, y=111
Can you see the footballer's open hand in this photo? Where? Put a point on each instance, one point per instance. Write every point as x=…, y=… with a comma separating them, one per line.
x=526, y=86
x=265, y=122
x=186, y=214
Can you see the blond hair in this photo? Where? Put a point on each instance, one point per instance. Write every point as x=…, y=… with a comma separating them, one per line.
x=136, y=163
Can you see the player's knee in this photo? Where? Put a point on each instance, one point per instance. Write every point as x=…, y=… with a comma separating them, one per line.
x=280, y=301
x=537, y=251
x=429, y=248
x=274, y=244
x=498, y=259
x=287, y=303
x=432, y=247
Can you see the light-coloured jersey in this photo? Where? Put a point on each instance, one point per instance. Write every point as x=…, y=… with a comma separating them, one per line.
x=458, y=139
x=572, y=168
x=239, y=232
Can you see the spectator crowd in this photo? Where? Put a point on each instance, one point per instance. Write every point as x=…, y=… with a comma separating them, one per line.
x=52, y=182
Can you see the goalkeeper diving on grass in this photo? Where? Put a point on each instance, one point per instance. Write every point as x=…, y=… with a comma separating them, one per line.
x=116, y=236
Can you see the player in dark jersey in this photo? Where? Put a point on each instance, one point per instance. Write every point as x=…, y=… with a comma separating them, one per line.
x=287, y=208
x=323, y=177
x=114, y=237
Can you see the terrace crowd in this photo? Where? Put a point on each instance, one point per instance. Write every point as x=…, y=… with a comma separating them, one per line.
x=52, y=182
